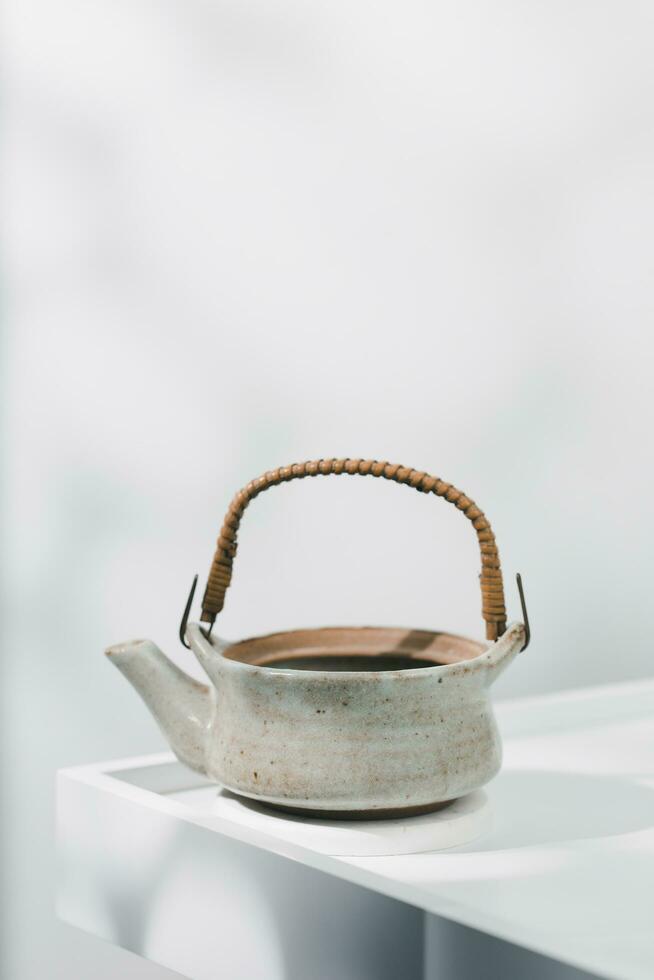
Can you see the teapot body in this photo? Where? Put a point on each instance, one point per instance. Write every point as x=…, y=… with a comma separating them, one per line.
x=339, y=742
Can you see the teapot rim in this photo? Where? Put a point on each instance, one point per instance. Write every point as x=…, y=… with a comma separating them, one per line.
x=483, y=650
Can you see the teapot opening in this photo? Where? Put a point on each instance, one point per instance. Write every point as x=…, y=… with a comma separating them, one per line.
x=352, y=661
x=364, y=649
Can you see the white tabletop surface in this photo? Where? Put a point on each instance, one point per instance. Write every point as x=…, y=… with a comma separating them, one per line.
x=568, y=869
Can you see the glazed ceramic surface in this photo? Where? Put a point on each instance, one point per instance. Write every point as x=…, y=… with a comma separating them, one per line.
x=341, y=721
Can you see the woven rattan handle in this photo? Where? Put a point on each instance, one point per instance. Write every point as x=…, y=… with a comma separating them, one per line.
x=492, y=589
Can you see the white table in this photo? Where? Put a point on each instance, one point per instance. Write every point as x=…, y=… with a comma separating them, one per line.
x=562, y=884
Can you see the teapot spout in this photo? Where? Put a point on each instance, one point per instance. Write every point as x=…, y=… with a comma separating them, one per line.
x=180, y=704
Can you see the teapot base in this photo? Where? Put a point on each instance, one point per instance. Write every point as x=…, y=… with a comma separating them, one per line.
x=366, y=835
x=389, y=813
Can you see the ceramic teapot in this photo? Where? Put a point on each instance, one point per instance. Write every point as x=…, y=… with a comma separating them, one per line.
x=341, y=722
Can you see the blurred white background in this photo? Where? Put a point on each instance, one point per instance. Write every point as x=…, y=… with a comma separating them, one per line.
x=240, y=234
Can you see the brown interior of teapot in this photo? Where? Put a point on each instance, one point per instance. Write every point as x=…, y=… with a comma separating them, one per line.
x=366, y=648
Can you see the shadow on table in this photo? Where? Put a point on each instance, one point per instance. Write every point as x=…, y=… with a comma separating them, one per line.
x=543, y=807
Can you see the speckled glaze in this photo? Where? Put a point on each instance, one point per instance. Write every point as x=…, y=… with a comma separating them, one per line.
x=339, y=742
